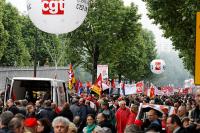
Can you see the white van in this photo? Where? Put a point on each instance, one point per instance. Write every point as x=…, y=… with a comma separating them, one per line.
x=33, y=88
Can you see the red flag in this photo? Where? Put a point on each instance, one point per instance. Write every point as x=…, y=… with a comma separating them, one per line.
x=77, y=85
x=139, y=86
x=97, y=87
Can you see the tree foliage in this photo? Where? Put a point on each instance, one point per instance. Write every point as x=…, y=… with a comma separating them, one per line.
x=3, y=32
x=178, y=19
x=49, y=48
x=15, y=52
x=111, y=34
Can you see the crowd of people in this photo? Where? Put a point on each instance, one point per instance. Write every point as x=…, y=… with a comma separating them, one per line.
x=108, y=114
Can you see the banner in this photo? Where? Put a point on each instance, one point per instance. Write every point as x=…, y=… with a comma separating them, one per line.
x=139, y=87
x=130, y=89
x=103, y=69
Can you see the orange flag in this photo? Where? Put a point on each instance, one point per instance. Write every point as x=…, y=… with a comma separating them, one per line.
x=97, y=85
x=71, y=77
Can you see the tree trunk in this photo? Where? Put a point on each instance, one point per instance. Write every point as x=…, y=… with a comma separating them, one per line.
x=95, y=61
x=120, y=78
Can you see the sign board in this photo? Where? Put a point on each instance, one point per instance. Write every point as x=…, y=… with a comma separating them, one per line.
x=103, y=69
x=197, y=52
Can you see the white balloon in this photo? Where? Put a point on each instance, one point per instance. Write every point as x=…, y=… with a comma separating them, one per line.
x=157, y=66
x=57, y=16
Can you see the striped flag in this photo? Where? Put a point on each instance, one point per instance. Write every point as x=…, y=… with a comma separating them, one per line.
x=97, y=87
x=71, y=77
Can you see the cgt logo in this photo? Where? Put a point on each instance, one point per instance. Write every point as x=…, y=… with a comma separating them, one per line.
x=53, y=7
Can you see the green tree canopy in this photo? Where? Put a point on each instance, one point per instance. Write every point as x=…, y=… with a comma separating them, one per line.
x=178, y=19
x=3, y=32
x=15, y=52
x=111, y=34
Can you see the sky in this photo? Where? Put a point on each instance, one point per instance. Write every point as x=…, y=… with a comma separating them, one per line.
x=161, y=42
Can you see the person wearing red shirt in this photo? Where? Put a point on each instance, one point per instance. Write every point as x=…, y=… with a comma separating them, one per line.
x=133, y=114
x=122, y=115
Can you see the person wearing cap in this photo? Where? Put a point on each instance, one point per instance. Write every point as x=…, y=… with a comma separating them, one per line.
x=30, y=125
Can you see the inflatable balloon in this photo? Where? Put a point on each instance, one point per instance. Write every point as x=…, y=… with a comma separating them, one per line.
x=157, y=66
x=57, y=16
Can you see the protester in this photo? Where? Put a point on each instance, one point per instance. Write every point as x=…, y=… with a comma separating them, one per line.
x=74, y=107
x=47, y=111
x=30, y=125
x=43, y=126
x=66, y=112
x=12, y=107
x=72, y=128
x=73, y=117
x=30, y=111
x=155, y=122
x=185, y=122
x=90, y=124
x=104, y=123
x=182, y=112
x=122, y=115
x=5, y=118
x=133, y=114
x=60, y=124
x=16, y=125
x=174, y=124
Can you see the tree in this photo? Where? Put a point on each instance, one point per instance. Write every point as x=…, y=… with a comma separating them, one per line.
x=3, y=32
x=15, y=52
x=111, y=34
x=48, y=47
x=177, y=18
x=103, y=20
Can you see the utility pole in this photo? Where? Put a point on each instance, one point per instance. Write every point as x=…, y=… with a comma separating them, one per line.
x=35, y=54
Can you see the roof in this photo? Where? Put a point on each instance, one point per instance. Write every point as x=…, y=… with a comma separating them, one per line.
x=36, y=79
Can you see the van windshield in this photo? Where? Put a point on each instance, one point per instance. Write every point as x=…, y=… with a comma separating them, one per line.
x=31, y=90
